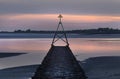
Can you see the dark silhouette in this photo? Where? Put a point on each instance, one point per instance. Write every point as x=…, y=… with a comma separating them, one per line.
x=84, y=31
x=59, y=63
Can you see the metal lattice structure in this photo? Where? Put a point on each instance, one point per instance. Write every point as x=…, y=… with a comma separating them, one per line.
x=60, y=35
x=60, y=62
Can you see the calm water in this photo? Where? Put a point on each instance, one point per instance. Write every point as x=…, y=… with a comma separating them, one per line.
x=82, y=48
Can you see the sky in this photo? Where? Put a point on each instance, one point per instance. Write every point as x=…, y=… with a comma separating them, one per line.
x=42, y=14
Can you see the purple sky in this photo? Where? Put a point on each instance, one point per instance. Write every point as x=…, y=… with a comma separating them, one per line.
x=42, y=14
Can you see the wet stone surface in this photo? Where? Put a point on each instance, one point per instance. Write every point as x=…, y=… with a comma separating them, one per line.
x=59, y=63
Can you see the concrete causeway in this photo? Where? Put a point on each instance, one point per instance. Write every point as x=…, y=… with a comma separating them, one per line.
x=59, y=63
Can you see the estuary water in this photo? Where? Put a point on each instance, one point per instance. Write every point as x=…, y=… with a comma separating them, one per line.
x=37, y=48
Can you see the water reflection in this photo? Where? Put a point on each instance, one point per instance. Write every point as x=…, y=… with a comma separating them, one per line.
x=24, y=45
x=95, y=45
x=81, y=45
x=37, y=48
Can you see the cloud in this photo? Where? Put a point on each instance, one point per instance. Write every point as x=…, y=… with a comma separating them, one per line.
x=94, y=7
x=49, y=21
x=41, y=14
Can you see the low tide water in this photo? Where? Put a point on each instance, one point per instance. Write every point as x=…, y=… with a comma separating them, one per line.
x=37, y=48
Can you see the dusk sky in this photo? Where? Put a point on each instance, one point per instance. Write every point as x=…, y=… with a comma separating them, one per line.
x=42, y=14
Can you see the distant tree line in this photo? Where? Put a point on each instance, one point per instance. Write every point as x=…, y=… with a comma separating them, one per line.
x=84, y=31
x=98, y=31
x=32, y=31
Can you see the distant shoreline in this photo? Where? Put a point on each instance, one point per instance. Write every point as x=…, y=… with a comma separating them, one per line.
x=70, y=35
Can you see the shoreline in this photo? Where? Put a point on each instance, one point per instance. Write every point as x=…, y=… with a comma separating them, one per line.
x=33, y=35
x=94, y=68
